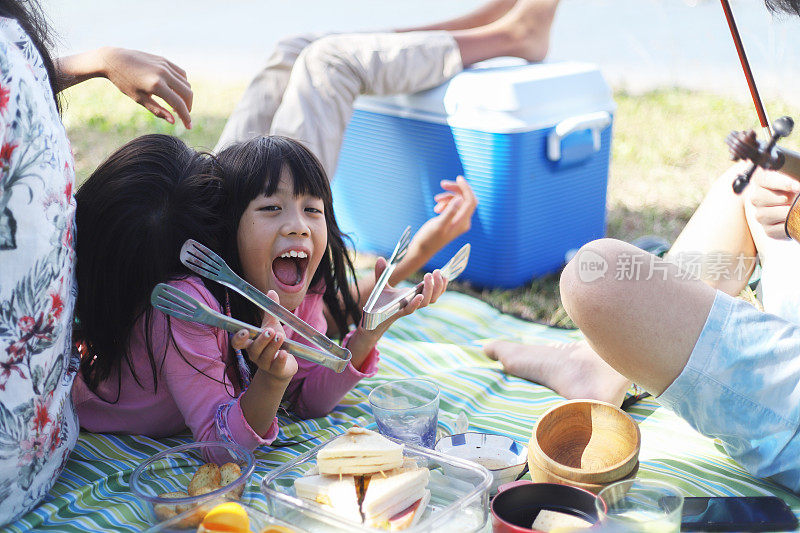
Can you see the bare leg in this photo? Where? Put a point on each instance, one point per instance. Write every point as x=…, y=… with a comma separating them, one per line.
x=572, y=369
x=522, y=32
x=485, y=14
x=718, y=238
x=718, y=226
x=644, y=328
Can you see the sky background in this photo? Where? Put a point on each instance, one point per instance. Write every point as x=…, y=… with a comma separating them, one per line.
x=639, y=44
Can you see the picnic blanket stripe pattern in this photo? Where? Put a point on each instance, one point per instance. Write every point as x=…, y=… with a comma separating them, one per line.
x=440, y=343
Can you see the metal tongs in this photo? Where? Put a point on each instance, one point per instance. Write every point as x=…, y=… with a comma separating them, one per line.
x=206, y=263
x=450, y=271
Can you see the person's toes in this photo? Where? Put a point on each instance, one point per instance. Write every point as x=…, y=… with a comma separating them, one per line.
x=492, y=349
x=489, y=350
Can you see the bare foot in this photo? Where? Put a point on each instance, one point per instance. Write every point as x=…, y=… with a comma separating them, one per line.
x=572, y=370
x=528, y=25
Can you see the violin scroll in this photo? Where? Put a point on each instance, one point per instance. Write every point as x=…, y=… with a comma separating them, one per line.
x=783, y=126
x=743, y=145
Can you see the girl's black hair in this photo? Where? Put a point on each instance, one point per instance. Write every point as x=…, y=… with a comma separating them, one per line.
x=254, y=168
x=133, y=214
x=788, y=6
x=31, y=18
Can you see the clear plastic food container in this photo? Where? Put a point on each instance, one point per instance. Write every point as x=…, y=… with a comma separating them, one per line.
x=459, y=495
x=260, y=522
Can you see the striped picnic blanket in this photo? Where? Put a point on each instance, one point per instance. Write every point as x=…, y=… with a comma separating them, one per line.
x=440, y=343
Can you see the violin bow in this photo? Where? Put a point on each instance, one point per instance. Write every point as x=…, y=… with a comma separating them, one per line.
x=748, y=74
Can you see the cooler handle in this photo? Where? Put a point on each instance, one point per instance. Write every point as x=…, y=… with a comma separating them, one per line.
x=596, y=122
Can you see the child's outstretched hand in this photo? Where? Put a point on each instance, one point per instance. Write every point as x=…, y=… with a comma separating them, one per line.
x=454, y=209
x=264, y=351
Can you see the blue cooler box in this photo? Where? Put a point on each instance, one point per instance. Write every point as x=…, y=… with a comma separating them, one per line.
x=533, y=140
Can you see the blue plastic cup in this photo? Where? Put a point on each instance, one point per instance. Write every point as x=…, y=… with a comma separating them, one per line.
x=407, y=410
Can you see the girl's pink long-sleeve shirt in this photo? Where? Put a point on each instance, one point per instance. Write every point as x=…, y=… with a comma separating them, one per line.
x=207, y=404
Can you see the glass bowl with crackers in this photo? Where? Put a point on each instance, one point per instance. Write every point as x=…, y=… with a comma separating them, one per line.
x=189, y=477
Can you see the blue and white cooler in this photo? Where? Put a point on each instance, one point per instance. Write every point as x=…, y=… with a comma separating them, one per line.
x=533, y=140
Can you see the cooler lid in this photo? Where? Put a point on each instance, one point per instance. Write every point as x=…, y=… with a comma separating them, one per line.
x=504, y=95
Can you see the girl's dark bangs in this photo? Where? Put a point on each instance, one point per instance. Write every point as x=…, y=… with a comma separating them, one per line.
x=308, y=177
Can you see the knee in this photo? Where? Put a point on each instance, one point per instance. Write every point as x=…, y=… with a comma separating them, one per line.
x=588, y=284
x=293, y=45
x=325, y=52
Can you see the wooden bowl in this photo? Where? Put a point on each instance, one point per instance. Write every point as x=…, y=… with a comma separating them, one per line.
x=540, y=474
x=586, y=441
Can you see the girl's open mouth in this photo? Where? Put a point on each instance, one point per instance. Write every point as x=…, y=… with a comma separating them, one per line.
x=289, y=269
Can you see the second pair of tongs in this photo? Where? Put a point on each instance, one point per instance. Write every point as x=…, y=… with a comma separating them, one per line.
x=398, y=254
x=206, y=263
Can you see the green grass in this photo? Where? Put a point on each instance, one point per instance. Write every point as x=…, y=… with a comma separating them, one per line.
x=667, y=149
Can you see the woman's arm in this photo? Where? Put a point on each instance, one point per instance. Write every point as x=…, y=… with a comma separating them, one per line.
x=139, y=75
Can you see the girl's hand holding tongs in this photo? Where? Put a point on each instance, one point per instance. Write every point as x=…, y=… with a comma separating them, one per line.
x=363, y=340
x=433, y=285
x=264, y=350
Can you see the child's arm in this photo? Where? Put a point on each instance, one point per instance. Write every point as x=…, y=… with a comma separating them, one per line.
x=276, y=368
x=196, y=371
x=454, y=209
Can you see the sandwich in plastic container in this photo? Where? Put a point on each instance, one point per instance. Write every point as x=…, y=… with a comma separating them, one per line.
x=427, y=492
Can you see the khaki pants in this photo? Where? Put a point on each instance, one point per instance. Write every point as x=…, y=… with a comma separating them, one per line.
x=307, y=89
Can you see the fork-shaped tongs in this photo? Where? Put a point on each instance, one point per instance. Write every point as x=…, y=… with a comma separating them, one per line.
x=450, y=271
x=398, y=254
x=206, y=263
x=178, y=304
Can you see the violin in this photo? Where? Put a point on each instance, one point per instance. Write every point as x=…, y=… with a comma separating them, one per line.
x=743, y=145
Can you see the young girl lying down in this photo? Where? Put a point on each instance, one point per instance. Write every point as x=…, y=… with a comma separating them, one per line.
x=265, y=206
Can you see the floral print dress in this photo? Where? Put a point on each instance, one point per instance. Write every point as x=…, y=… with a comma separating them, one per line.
x=38, y=426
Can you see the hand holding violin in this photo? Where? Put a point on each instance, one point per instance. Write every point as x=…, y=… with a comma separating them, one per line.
x=772, y=195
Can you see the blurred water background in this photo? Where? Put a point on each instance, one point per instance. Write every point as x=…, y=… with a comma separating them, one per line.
x=640, y=44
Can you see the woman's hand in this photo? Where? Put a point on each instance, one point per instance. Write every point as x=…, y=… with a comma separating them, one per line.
x=138, y=75
x=264, y=351
x=772, y=195
x=141, y=76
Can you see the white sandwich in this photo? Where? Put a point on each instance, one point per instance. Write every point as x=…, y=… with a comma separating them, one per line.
x=547, y=520
x=359, y=451
x=410, y=515
x=389, y=495
x=336, y=493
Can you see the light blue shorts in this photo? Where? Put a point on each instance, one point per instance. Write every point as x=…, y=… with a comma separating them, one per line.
x=742, y=386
